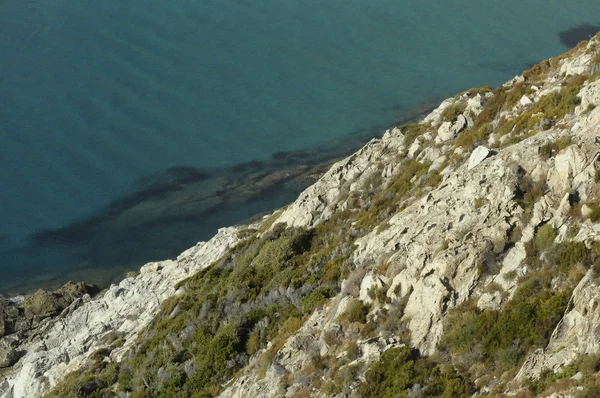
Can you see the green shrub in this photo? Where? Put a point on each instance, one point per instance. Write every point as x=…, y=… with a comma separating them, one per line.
x=516, y=93
x=590, y=392
x=317, y=297
x=595, y=214
x=544, y=237
x=586, y=364
x=567, y=254
x=471, y=138
x=560, y=103
x=401, y=368
x=451, y=113
x=528, y=192
x=353, y=351
x=357, y=311
x=550, y=149
x=492, y=108
x=538, y=71
x=412, y=131
x=502, y=339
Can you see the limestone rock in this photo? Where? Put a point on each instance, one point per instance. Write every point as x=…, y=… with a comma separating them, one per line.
x=577, y=333
x=435, y=117
x=449, y=130
x=8, y=352
x=478, y=156
x=66, y=342
x=370, y=282
x=525, y=101
x=437, y=163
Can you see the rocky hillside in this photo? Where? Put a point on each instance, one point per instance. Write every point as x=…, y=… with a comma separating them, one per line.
x=457, y=256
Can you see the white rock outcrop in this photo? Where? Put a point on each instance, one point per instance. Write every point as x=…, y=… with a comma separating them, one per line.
x=449, y=130
x=66, y=342
x=478, y=156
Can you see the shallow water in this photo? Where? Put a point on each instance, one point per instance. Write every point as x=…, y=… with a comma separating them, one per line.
x=98, y=95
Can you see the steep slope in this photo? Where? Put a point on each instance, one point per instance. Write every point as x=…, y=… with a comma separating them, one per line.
x=454, y=256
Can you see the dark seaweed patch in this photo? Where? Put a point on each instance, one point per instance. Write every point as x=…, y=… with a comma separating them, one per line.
x=247, y=166
x=572, y=36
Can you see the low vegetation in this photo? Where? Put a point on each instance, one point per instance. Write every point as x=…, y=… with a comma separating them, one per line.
x=552, y=148
x=401, y=372
x=502, y=339
x=451, y=113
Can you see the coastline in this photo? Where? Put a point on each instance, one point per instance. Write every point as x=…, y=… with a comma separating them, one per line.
x=181, y=201
x=132, y=304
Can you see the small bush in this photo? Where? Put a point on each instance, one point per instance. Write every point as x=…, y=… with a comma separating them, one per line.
x=357, y=311
x=528, y=192
x=544, y=238
x=479, y=202
x=492, y=108
x=353, y=351
x=560, y=103
x=550, y=149
x=412, y=131
x=400, y=369
x=451, y=113
x=502, y=339
x=567, y=254
x=595, y=214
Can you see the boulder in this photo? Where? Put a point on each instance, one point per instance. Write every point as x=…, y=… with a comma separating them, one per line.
x=42, y=302
x=478, y=156
x=8, y=354
x=369, y=282
x=525, y=101
x=449, y=130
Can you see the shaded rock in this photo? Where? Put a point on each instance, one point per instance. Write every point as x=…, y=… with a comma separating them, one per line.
x=41, y=303
x=44, y=303
x=8, y=353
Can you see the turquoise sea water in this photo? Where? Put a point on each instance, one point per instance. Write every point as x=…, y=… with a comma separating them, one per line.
x=98, y=95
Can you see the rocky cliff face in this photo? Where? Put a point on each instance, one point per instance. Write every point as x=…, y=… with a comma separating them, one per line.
x=465, y=244
x=86, y=325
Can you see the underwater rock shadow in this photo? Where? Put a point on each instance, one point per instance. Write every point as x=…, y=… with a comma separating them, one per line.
x=172, y=210
x=575, y=34
x=189, y=193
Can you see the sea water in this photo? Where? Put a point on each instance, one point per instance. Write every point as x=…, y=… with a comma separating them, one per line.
x=97, y=95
